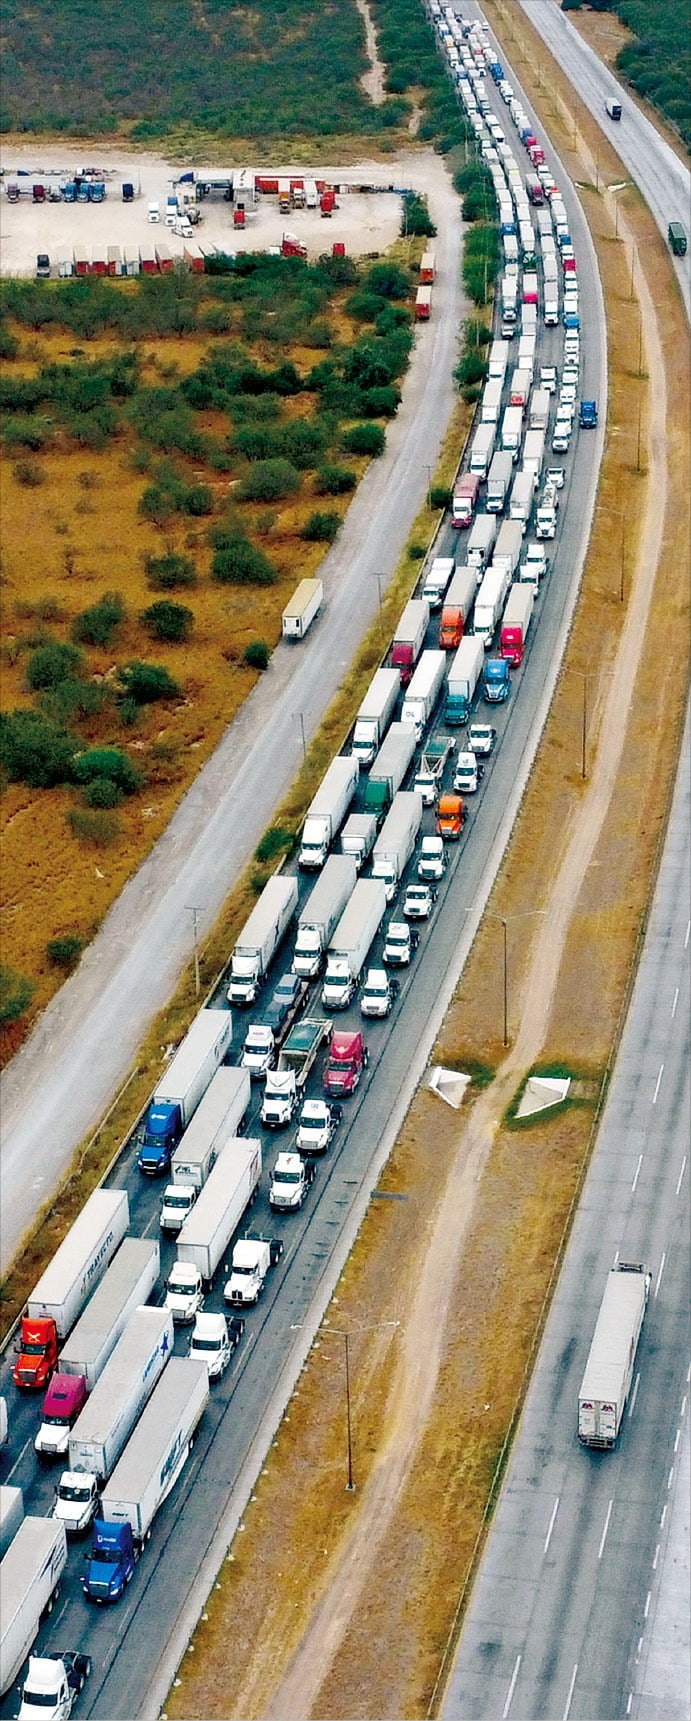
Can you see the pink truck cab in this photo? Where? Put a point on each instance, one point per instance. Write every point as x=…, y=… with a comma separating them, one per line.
x=61, y=1406
x=348, y=1058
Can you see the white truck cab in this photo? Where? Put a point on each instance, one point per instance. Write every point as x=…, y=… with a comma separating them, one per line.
x=184, y=1292
x=178, y=1201
x=253, y=1258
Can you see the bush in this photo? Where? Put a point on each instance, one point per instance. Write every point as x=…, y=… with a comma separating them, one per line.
x=335, y=480
x=103, y=793
x=238, y=562
x=64, y=952
x=97, y=625
x=381, y=402
x=321, y=528
x=16, y=993
x=164, y=573
x=197, y=500
x=29, y=473
x=51, y=664
x=99, y=826
x=107, y=764
x=365, y=439
x=35, y=750
x=256, y=654
x=417, y=552
x=277, y=840
x=167, y=621
x=440, y=497
x=387, y=281
x=269, y=480
x=146, y=683
x=415, y=216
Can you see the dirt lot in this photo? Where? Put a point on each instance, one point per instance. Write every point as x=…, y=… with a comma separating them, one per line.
x=364, y=221
x=336, y=1604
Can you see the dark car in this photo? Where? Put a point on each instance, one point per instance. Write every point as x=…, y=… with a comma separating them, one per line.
x=285, y=1002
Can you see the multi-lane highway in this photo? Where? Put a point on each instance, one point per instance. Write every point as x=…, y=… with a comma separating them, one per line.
x=130, y=1644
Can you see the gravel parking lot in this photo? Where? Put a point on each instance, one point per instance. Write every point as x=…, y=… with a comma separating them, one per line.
x=364, y=221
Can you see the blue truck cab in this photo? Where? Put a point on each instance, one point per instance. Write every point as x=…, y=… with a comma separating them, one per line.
x=97, y=192
x=69, y=192
x=587, y=417
x=162, y=1132
x=111, y=1563
x=496, y=681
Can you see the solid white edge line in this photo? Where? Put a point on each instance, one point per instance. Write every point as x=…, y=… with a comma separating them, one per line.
x=511, y=1689
x=603, y=1537
x=19, y=1457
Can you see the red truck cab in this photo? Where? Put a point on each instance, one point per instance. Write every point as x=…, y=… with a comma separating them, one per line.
x=348, y=1057
x=37, y=1349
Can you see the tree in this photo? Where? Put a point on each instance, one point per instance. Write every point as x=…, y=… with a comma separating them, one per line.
x=35, y=750
x=256, y=654
x=16, y=993
x=108, y=764
x=365, y=439
x=52, y=663
x=166, y=572
x=97, y=625
x=167, y=621
x=335, y=480
x=269, y=480
x=321, y=528
x=238, y=562
x=146, y=683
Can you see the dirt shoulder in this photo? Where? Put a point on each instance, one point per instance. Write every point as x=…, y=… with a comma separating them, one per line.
x=340, y=1604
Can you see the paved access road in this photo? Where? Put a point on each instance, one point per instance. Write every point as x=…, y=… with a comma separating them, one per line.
x=561, y=1615
x=662, y=178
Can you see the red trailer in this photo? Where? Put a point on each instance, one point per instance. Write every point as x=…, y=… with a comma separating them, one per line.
x=38, y=193
x=99, y=262
x=238, y=217
x=327, y=202
x=267, y=184
x=427, y=267
x=194, y=258
x=516, y=621
x=164, y=259
x=338, y=248
x=82, y=260
x=147, y=258
x=423, y=304
x=465, y=496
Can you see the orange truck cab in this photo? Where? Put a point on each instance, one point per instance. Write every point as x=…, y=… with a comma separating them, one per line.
x=451, y=627
x=37, y=1349
x=450, y=817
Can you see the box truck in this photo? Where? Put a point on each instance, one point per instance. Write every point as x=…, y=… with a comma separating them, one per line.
x=465, y=495
x=457, y=606
x=397, y=839
x=358, y=837
x=498, y=359
x=423, y=691
x=538, y=411
x=300, y=612
x=327, y=811
x=11, y=1514
x=521, y=498
x=482, y=449
x=489, y=603
x=181, y=1087
x=490, y=403
x=126, y=1286
x=389, y=768
x=438, y=577
x=533, y=454
x=128, y=1379
x=68, y=1281
x=609, y=1370
x=352, y=940
x=526, y=353
x=498, y=481
x=512, y=430
x=508, y=546
x=519, y=387
x=481, y=541
x=220, y=1116
x=463, y=678
x=515, y=622
x=30, y=1574
x=321, y=913
x=229, y=1190
x=260, y=938
x=375, y=714
x=409, y=637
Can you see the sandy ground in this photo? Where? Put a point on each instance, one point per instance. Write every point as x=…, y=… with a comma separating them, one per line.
x=373, y=80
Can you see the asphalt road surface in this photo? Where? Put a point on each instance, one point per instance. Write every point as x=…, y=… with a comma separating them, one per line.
x=82, y=1049
x=561, y=1620
x=662, y=178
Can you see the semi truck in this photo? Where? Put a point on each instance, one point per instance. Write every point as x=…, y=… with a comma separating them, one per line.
x=409, y=638
x=431, y=768
x=127, y=1285
x=126, y=1383
x=507, y=550
x=396, y=841
x=353, y=938
x=463, y=678
x=321, y=913
x=498, y=481
x=389, y=768
x=260, y=938
x=515, y=622
x=348, y=1059
x=375, y=714
x=490, y=602
x=253, y=1259
x=464, y=503
x=284, y=1085
x=11, y=1514
x=181, y=1087
x=30, y=1574
x=498, y=359
x=521, y=498
x=533, y=454
x=327, y=811
x=229, y=1190
x=496, y=680
x=64, y=1399
x=481, y=541
x=609, y=1370
x=457, y=606
x=300, y=612
x=358, y=837
x=482, y=449
x=512, y=430
x=438, y=577
x=145, y=1475
x=423, y=691
x=67, y=1282
x=219, y=1116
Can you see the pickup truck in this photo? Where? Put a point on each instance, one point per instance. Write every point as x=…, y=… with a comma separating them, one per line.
x=431, y=769
x=292, y=1177
x=253, y=1259
x=431, y=864
x=400, y=945
x=53, y=1683
x=419, y=902
x=317, y=1126
x=378, y=993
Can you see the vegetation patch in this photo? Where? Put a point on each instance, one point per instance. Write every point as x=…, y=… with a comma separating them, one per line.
x=657, y=62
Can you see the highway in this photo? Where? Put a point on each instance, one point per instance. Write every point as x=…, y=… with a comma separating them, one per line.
x=133, y=1653
x=661, y=177
x=560, y=1615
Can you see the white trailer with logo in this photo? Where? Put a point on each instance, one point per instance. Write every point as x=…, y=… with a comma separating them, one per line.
x=158, y=1449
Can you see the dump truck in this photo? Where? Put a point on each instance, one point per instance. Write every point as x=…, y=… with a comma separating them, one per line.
x=327, y=811
x=431, y=768
x=181, y=1087
x=609, y=1370
x=284, y=1084
x=67, y=1282
x=260, y=938
x=321, y=913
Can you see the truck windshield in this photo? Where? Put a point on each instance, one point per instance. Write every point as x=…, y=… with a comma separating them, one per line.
x=39, y=1699
x=106, y=1556
x=287, y=1176
x=184, y=1288
x=34, y=1349
x=315, y=1123
x=177, y=1201
x=60, y=1421
x=74, y=1491
x=207, y=1344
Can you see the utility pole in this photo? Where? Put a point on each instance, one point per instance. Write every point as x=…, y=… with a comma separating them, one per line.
x=195, y=930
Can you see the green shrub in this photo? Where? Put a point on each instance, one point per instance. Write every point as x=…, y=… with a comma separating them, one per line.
x=381, y=402
x=365, y=439
x=240, y=563
x=108, y=764
x=52, y=663
x=277, y=840
x=256, y=655
x=164, y=573
x=167, y=621
x=197, y=500
x=29, y=473
x=102, y=792
x=98, y=624
x=415, y=216
x=440, y=497
x=417, y=552
x=64, y=952
x=321, y=528
x=269, y=480
x=16, y=993
x=146, y=683
x=99, y=827
x=335, y=480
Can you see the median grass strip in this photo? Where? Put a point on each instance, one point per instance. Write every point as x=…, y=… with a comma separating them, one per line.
x=290, y=1557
